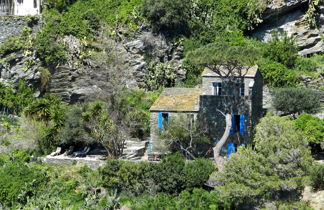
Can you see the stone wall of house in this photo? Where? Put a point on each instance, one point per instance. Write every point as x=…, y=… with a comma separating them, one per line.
x=216, y=121
x=158, y=145
x=257, y=96
x=207, y=85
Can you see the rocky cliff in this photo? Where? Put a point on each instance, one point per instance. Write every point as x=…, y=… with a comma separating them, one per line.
x=112, y=63
x=95, y=69
x=290, y=17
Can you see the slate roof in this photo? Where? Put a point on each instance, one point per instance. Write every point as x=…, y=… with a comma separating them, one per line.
x=178, y=100
x=251, y=72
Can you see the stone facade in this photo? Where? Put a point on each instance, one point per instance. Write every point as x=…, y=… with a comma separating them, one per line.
x=158, y=145
x=216, y=95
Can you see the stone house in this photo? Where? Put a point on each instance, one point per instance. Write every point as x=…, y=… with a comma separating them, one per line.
x=20, y=7
x=205, y=103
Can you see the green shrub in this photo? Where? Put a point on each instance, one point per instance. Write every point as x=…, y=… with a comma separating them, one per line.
x=50, y=110
x=197, y=172
x=296, y=100
x=281, y=49
x=73, y=130
x=167, y=14
x=133, y=107
x=49, y=49
x=18, y=182
x=15, y=100
x=312, y=127
x=197, y=199
x=12, y=44
x=275, y=169
x=317, y=176
x=172, y=175
x=276, y=74
x=305, y=64
x=60, y=5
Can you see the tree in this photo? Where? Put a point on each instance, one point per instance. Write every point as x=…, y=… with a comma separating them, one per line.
x=275, y=169
x=230, y=62
x=296, y=100
x=281, y=49
x=104, y=130
x=73, y=132
x=185, y=135
x=167, y=14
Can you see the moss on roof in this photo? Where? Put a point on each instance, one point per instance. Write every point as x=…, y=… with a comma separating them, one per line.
x=178, y=100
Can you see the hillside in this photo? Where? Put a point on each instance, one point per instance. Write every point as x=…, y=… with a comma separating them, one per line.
x=232, y=91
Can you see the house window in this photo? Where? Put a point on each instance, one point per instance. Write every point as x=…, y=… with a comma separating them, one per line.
x=217, y=88
x=163, y=120
x=238, y=124
x=35, y=3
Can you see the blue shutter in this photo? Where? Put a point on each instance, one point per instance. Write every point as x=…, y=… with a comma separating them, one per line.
x=230, y=149
x=169, y=119
x=160, y=124
x=233, y=125
x=242, y=124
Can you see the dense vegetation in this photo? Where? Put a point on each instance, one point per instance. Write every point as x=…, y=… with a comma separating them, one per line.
x=212, y=33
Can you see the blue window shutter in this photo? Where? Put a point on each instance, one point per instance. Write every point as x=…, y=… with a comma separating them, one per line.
x=160, y=124
x=233, y=125
x=230, y=149
x=242, y=124
x=169, y=119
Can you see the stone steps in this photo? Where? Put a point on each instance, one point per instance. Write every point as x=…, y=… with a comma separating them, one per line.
x=134, y=150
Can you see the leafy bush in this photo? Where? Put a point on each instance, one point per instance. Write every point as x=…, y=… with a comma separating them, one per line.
x=172, y=175
x=305, y=64
x=12, y=44
x=317, y=176
x=50, y=110
x=167, y=14
x=133, y=106
x=47, y=44
x=160, y=75
x=18, y=182
x=197, y=172
x=276, y=74
x=312, y=127
x=275, y=169
x=73, y=129
x=296, y=100
x=197, y=199
x=60, y=5
x=282, y=50
x=14, y=101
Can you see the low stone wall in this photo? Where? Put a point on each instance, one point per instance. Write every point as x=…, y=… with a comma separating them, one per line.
x=91, y=163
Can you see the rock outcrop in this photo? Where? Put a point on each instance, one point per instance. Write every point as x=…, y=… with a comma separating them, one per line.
x=110, y=64
x=288, y=17
x=17, y=66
